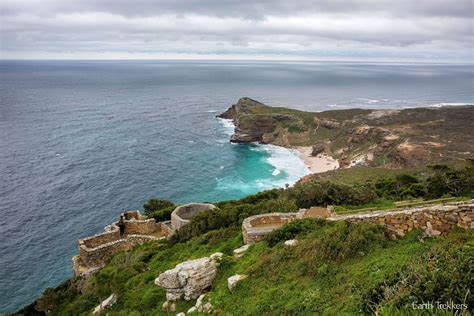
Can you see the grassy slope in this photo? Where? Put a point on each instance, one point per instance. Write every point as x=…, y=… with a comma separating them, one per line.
x=331, y=270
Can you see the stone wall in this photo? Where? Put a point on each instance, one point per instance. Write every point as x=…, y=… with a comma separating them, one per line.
x=100, y=239
x=96, y=250
x=433, y=220
x=133, y=215
x=92, y=257
x=254, y=228
x=182, y=214
x=143, y=227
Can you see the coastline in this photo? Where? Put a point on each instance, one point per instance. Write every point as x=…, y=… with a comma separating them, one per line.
x=316, y=164
x=285, y=160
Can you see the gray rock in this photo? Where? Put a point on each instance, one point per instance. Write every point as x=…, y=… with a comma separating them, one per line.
x=233, y=280
x=168, y=306
x=317, y=149
x=291, y=242
x=207, y=308
x=239, y=252
x=216, y=256
x=108, y=302
x=189, y=278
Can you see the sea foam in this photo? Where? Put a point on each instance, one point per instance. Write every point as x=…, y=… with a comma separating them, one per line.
x=286, y=162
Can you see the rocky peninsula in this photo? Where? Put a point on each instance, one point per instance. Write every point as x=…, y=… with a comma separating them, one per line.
x=359, y=137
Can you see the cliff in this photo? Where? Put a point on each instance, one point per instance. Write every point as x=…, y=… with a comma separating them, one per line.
x=388, y=138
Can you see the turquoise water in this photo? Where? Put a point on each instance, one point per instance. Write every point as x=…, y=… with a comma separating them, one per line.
x=82, y=141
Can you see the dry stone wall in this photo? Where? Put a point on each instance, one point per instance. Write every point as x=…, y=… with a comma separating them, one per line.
x=142, y=227
x=433, y=220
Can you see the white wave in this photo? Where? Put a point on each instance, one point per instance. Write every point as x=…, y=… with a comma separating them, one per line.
x=211, y=111
x=438, y=105
x=284, y=160
x=228, y=126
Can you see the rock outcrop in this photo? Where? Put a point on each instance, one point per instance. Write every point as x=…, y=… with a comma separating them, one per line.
x=254, y=122
x=291, y=242
x=317, y=149
x=188, y=279
x=233, y=280
x=108, y=302
x=239, y=252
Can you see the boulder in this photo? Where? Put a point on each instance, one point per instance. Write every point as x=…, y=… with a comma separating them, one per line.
x=168, y=306
x=108, y=302
x=317, y=149
x=207, y=308
x=188, y=279
x=233, y=280
x=239, y=252
x=199, y=302
x=181, y=314
x=291, y=242
x=217, y=256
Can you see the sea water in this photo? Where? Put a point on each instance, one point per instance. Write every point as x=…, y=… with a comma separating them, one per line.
x=82, y=141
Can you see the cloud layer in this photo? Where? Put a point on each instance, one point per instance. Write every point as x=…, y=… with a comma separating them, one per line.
x=428, y=30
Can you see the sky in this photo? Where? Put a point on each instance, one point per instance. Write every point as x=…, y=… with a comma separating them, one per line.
x=345, y=30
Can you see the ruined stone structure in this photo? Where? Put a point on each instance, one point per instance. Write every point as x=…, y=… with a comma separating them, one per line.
x=96, y=250
x=254, y=228
x=434, y=220
x=183, y=214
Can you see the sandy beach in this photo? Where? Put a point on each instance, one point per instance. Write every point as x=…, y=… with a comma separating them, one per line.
x=318, y=164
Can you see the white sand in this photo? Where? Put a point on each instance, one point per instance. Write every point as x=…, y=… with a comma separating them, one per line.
x=318, y=164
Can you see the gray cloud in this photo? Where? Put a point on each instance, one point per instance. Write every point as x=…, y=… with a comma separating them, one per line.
x=424, y=29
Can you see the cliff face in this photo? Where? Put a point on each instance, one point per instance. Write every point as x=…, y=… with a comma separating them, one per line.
x=256, y=122
x=390, y=138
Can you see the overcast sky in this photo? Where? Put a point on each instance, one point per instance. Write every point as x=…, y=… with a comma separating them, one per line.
x=392, y=30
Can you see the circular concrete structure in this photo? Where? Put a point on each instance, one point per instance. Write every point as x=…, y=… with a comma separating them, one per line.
x=183, y=214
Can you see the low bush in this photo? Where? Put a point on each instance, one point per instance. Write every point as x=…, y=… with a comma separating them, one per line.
x=153, y=205
x=163, y=214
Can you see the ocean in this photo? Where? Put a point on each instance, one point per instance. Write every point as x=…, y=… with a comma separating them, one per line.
x=82, y=141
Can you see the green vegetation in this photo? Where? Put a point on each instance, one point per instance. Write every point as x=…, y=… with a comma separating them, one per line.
x=159, y=209
x=336, y=268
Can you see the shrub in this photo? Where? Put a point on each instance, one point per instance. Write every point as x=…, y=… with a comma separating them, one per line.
x=322, y=193
x=154, y=205
x=443, y=274
x=448, y=181
x=163, y=214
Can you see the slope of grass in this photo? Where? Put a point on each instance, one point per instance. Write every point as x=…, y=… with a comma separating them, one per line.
x=337, y=268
